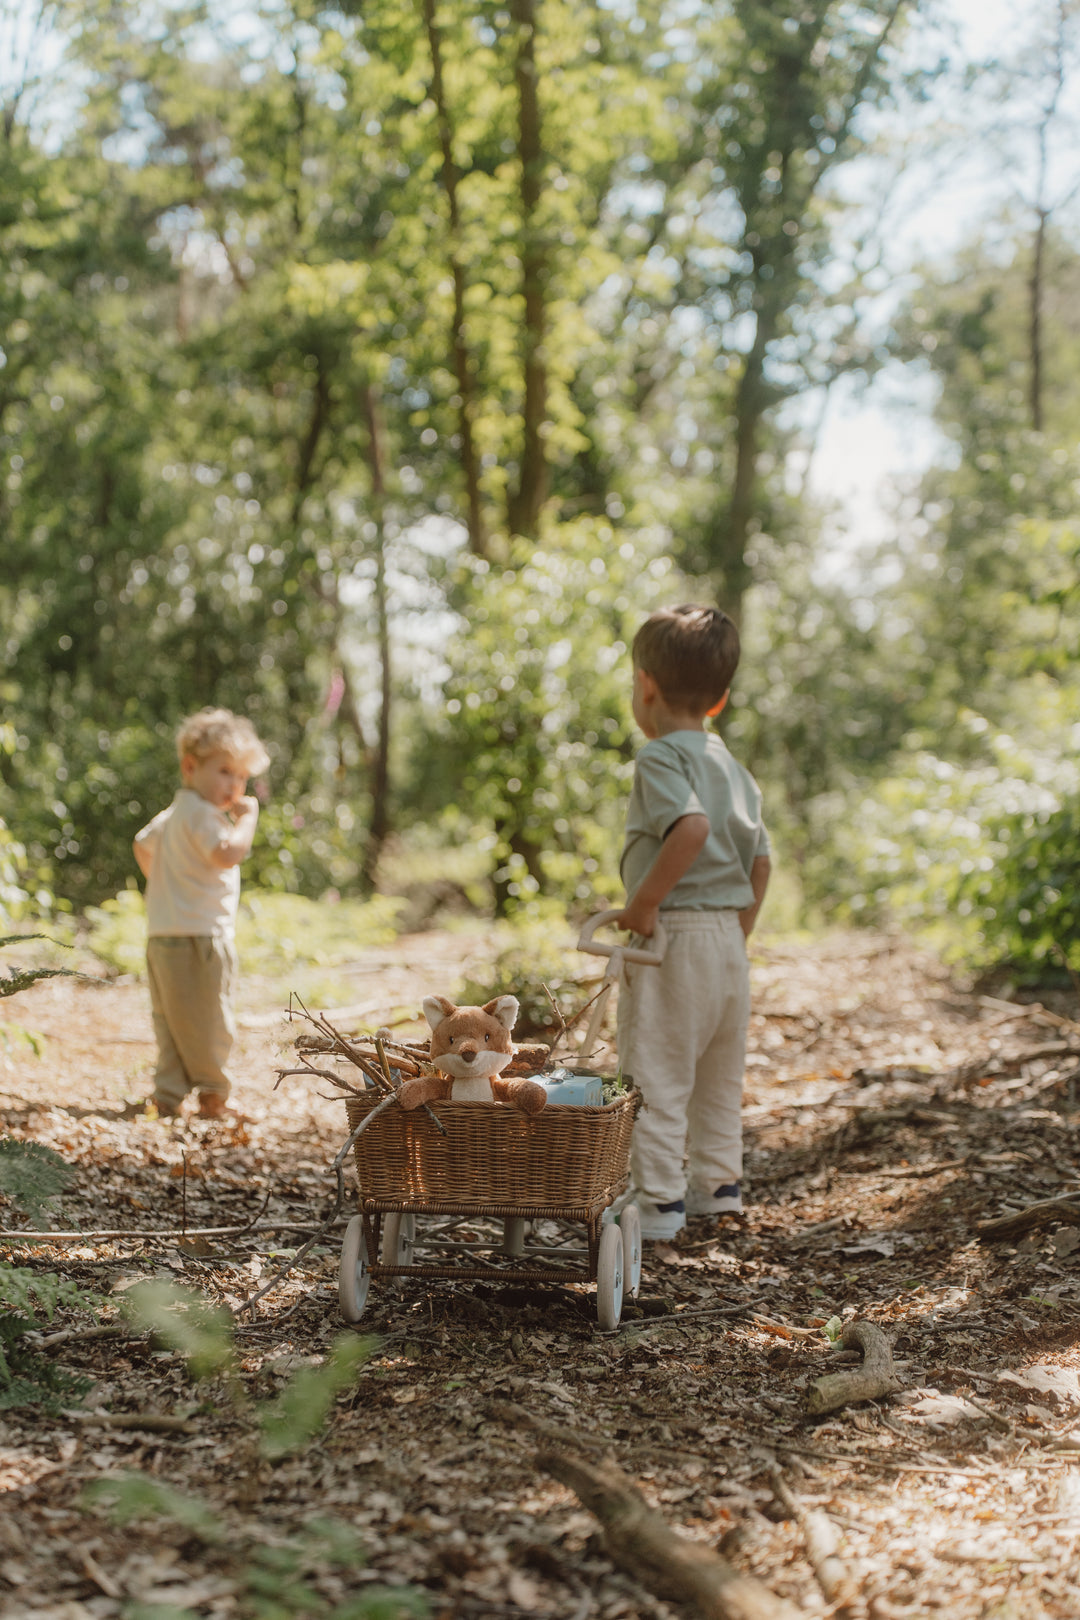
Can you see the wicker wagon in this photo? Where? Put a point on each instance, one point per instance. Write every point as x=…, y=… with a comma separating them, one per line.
x=565, y=1164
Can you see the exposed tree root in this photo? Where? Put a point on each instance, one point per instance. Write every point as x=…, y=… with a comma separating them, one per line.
x=875, y=1377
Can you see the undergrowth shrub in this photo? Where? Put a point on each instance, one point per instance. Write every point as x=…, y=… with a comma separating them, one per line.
x=964, y=855
x=283, y=1581
x=28, y=1303
x=528, y=956
x=276, y=934
x=30, y=1175
x=1027, y=900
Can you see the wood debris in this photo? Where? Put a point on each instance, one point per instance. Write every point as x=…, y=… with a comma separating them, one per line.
x=890, y=1113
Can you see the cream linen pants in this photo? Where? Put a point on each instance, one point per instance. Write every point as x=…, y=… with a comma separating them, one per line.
x=191, y=989
x=682, y=1039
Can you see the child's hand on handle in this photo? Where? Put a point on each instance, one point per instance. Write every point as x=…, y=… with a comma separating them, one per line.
x=683, y=843
x=246, y=805
x=638, y=918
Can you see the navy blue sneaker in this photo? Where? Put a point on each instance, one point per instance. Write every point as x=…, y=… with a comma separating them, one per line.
x=725, y=1200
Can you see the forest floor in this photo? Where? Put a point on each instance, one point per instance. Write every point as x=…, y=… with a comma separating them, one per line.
x=890, y=1108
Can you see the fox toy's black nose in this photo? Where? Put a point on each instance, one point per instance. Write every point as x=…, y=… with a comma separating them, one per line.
x=468, y=1052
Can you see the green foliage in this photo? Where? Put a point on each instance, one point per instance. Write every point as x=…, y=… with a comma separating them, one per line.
x=187, y=1322
x=537, y=733
x=131, y=1498
x=194, y=504
x=528, y=955
x=16, y=899
x=1027, y=898
x=940, y=846
x=300, y=1411
x=31, y=1174
x=117, y=932
x=278, y=936
x=28, y=1302
x=277, y=932
x=16, y=979
x=277, y=1580
x=202, y=1333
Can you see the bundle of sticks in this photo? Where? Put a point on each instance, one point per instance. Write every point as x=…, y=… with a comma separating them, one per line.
x=410, y=1057
x=382, y=1061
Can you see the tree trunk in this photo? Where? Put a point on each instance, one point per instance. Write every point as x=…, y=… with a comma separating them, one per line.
x=526, y=502
x=1035, y=301
x=305, y=466
x=519, y=843
x=463, y=371
x=380, y=761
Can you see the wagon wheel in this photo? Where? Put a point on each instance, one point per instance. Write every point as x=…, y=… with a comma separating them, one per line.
x=630, y=1227
x=398, y=1238
x=609, y=1278
x=354, y=1276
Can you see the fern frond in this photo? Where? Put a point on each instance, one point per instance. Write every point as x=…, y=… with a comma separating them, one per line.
x=30, y=1173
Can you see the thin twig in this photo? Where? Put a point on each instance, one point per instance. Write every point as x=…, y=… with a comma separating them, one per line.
x=321, y=1074
x=561, y=1031
x=396, y=1085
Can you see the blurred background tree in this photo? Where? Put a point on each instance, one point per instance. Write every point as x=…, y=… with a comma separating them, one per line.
x=374, y=370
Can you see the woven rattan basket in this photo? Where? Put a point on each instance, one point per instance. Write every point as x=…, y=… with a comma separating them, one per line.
x=493, y=1159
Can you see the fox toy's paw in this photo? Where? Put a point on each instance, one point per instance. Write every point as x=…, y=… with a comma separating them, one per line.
x=415, y=1093
x=523, y=1094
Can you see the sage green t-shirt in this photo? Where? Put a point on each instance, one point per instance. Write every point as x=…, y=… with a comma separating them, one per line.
x=692, y=773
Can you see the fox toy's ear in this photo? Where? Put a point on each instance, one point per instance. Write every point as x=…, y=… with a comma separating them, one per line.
x=436, y=1008
x=505, y=1009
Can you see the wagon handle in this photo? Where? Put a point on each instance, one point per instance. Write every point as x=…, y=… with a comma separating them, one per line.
x=618, y=954
x=628, y=953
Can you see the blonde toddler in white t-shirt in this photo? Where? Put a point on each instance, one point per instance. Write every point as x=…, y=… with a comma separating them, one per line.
x=190, y=855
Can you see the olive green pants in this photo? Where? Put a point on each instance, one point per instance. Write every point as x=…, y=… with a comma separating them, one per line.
x=191, y=989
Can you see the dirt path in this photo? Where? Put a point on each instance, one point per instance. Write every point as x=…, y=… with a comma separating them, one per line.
x=888, y=1110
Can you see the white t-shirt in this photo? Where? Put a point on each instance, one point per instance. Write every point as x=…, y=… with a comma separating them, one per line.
x=185, y=892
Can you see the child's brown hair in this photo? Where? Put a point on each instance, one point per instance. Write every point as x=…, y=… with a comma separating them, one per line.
x=219, y=731
x=691, y=652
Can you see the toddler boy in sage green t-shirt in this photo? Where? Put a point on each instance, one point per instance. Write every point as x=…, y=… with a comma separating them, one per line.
x=696, y=865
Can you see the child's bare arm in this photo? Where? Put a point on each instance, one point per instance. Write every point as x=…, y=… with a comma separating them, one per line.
x=144, y=856
x=236, y=846
x=680, y=849
x=759, y=882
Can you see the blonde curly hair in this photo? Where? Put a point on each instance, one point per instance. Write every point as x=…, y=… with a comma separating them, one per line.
x=219, y=731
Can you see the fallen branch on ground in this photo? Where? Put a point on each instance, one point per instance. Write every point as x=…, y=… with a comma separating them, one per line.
x=822, y=1549
x=639, y=1539
x=642, y=1542
x=112, y=1234
x=877, y=1375
x=1044, y=1213
x=149, y=1422
x=110, y=1330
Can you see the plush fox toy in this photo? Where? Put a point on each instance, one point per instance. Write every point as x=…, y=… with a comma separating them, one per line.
x=472, y=1045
